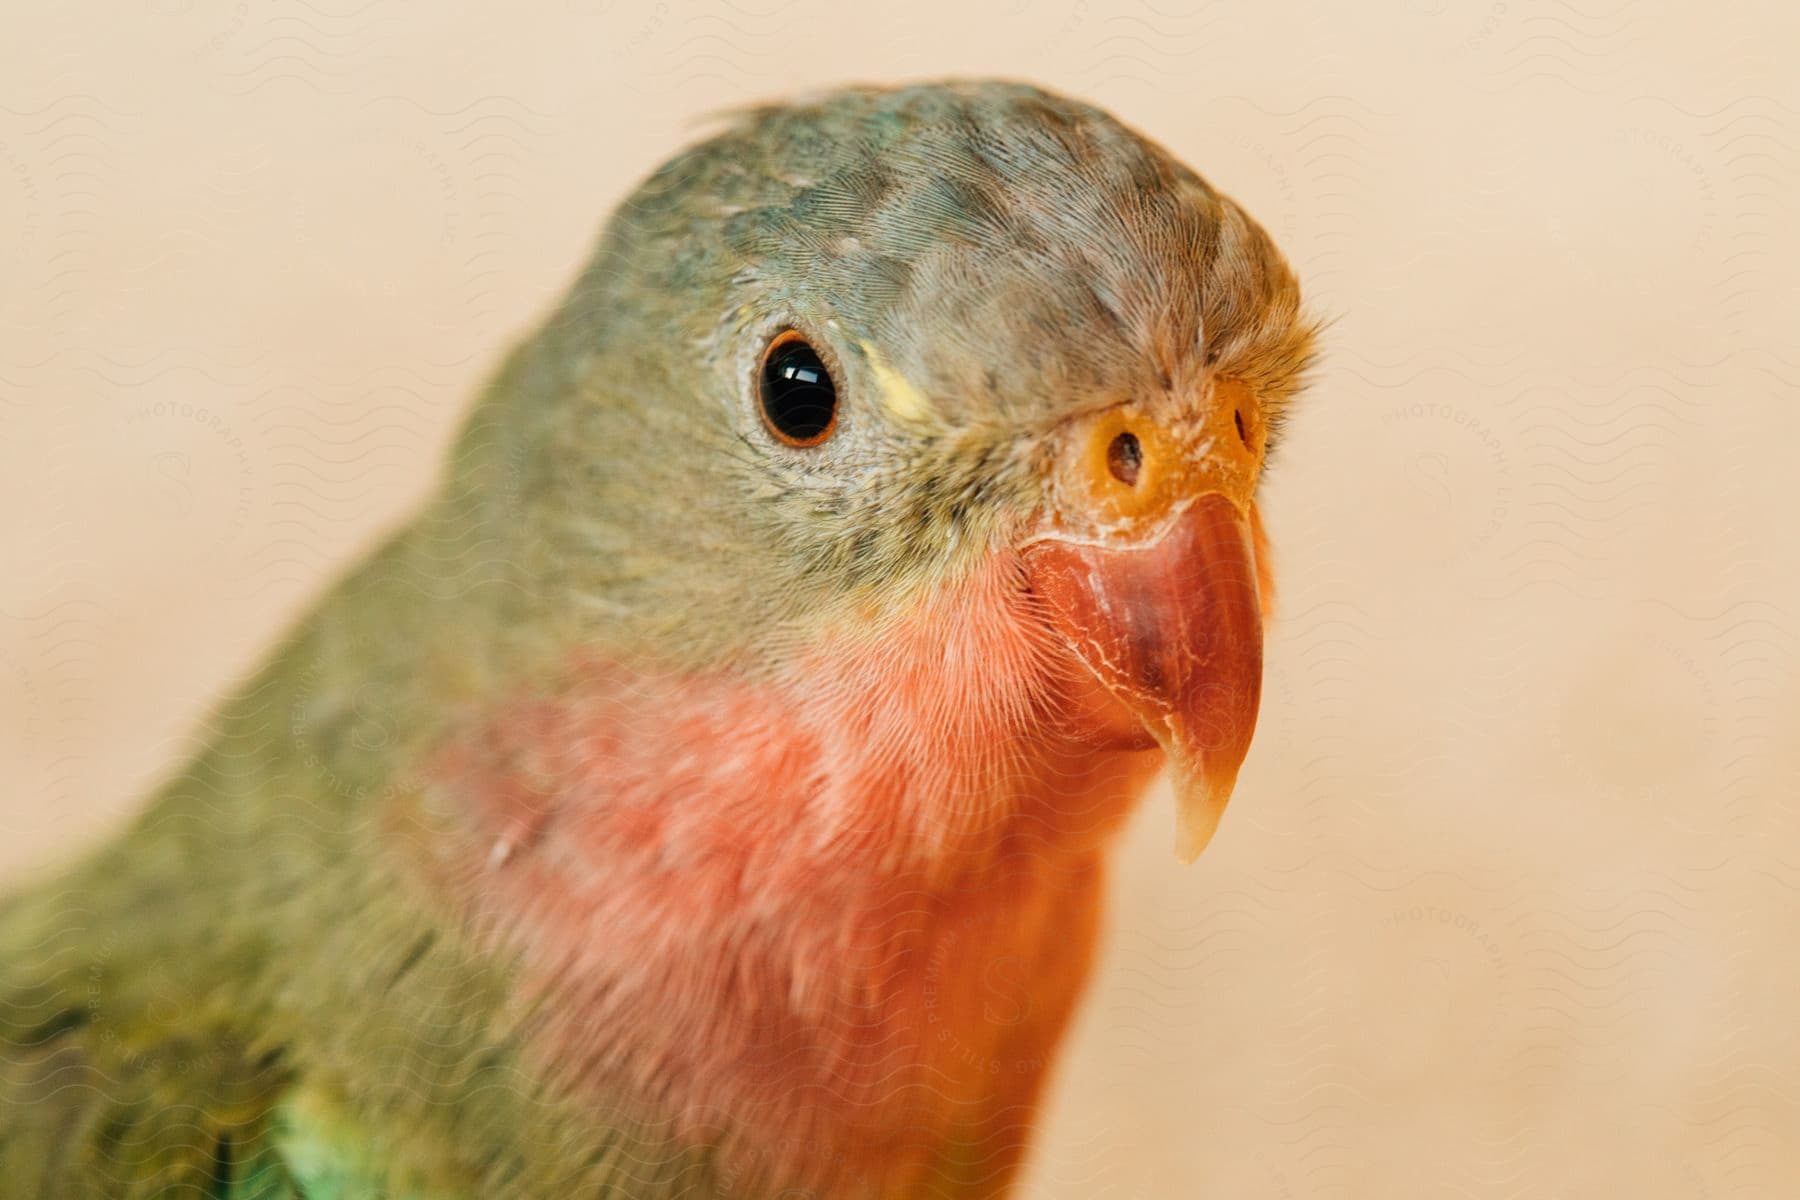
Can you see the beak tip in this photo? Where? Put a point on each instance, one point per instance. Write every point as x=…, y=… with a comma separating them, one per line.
x=1199, y=804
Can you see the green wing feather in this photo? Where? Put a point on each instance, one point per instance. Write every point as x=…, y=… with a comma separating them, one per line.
x=90, y=1107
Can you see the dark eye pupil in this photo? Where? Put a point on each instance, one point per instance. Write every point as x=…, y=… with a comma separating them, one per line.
x=799, y=400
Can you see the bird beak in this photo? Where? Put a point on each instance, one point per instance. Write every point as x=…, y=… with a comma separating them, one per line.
x=1147, y=567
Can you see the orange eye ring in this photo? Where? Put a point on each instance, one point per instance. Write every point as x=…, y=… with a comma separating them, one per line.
x=795, y=392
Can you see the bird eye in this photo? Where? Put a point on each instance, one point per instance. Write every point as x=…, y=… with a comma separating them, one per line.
x=796, y=392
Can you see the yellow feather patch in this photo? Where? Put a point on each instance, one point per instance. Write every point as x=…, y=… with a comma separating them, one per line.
x=897, y=392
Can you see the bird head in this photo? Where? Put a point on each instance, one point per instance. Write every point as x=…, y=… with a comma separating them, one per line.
x=857, y=348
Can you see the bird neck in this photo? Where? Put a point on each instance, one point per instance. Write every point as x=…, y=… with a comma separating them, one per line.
x=786, y=887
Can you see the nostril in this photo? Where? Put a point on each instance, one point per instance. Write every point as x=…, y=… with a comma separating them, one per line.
x=1237, y=418
x=1125, y=458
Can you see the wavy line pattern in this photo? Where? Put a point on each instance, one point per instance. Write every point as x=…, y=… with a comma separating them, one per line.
x=1504, y=906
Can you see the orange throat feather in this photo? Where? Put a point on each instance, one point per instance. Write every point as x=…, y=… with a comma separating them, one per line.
x=833, y=924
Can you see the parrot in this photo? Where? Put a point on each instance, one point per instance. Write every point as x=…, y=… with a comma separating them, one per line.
x=709, y=789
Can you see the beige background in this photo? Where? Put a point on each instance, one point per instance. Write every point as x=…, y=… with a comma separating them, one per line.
x=1506, y=906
